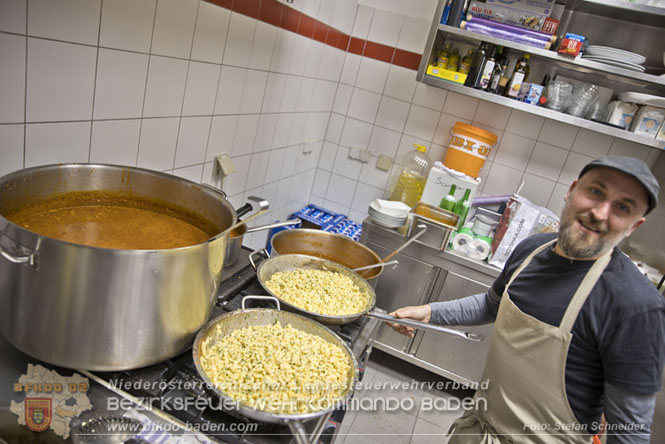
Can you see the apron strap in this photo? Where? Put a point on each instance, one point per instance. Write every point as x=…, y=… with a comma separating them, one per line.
x=528, y=260
x=583, y=291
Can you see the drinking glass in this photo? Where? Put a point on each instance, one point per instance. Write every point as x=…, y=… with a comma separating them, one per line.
x=558, y=95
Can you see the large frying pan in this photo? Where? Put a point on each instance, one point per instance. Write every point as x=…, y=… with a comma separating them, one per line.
x=234, y=320
x=288, y=262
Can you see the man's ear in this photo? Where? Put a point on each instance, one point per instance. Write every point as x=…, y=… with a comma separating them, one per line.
x=570, y=190
x=637, y=223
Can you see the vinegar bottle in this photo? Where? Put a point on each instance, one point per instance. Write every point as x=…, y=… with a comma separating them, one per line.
x=411, y=182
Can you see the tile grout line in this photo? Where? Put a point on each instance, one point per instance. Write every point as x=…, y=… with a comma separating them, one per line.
x=145, y=87
x=94, y=84
x=25, y=89
x=184, y=89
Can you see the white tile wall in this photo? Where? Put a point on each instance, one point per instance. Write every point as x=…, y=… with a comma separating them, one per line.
x=12, y=78
x=127, y=24
x=115, y=141
x=120, y=87
x=69, y=20
x=48, y=143
x=210, y=32
x=165, y=89
x=174, y=27
x=13, y=16
x=169, y=85
x=60, y=81
x=11, y=149
x=202, y=80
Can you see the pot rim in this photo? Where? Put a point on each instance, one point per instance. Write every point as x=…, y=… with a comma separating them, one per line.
x=197, y=186
x=336, y=235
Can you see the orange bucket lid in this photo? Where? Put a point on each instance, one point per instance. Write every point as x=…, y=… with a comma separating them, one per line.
x=474, y=131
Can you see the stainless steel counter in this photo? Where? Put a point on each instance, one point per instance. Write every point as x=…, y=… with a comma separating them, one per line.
x=425, y=274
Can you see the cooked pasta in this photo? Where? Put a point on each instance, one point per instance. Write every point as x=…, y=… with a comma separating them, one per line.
x=319, y=291
x=276, y=368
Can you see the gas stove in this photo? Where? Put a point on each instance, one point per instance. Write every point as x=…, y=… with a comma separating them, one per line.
x=164, y=388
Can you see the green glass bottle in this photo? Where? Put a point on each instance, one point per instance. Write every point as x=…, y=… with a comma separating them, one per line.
x=462, y=207
x=448, y=202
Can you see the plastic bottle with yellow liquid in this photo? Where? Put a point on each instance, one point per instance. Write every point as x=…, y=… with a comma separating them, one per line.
x=411, y=182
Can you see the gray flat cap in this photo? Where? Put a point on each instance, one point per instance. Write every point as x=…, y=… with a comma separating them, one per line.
x=634, y=167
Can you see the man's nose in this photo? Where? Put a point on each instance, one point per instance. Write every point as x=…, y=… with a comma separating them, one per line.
x=601, y=210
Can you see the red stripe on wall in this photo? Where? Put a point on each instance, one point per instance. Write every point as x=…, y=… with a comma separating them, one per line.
x=406, y=59
x=249, y=8
x=378, y=51
x=306, y=26
x=228, y=4
x=321, y=32
x=290, y=19
x=271, y=12
x=356, y=46
x=275, y=13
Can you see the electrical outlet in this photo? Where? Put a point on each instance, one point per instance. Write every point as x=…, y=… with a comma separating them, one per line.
x=224, y=165
x=384, y=162
x=360, y=154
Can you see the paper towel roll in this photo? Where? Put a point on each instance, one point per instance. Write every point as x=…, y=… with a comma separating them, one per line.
x=480, y=248
x=462, y=241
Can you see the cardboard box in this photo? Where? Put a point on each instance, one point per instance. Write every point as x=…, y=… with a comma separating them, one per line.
x=446, y=74
x=543, y=7
x=439, y=182
x=510, y=16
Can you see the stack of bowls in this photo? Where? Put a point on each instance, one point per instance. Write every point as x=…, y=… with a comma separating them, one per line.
x=389, y=214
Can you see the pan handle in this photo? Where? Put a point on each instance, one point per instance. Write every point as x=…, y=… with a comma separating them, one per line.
x=426, y=326
x=255, y=252
x=394, y=263
x=254, y=296
x=262, y=206
x=285, y=223
x=240, y=212
x=298, y=431
x=422, y=228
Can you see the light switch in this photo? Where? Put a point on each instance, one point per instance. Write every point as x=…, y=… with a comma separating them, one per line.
x=384, y=162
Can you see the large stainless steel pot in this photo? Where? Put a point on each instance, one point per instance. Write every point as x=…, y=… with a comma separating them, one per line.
x=104, y=309
x=245, y=317
x=331, y=246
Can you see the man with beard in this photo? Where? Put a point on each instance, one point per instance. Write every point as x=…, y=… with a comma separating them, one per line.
x=579, y=331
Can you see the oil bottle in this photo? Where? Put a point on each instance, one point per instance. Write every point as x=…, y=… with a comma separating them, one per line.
x=453, y=61
x=443, y=57
x=411, y=181
x=465, y=65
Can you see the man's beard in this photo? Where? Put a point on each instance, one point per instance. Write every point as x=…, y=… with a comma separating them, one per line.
x=578, y=244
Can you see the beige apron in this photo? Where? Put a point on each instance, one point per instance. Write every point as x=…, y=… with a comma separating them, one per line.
x=525, y=397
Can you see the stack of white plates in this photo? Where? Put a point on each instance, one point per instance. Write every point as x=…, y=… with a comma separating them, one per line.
x=389, y=214
x=615, y=57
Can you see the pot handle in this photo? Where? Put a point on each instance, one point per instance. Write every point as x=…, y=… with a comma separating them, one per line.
x=214, y=189
x=261, y=207
x=255, y=252
x=254, y=296
x=298, y=431
x=30, y=259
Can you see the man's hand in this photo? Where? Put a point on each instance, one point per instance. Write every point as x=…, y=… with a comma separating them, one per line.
x=421, y=313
